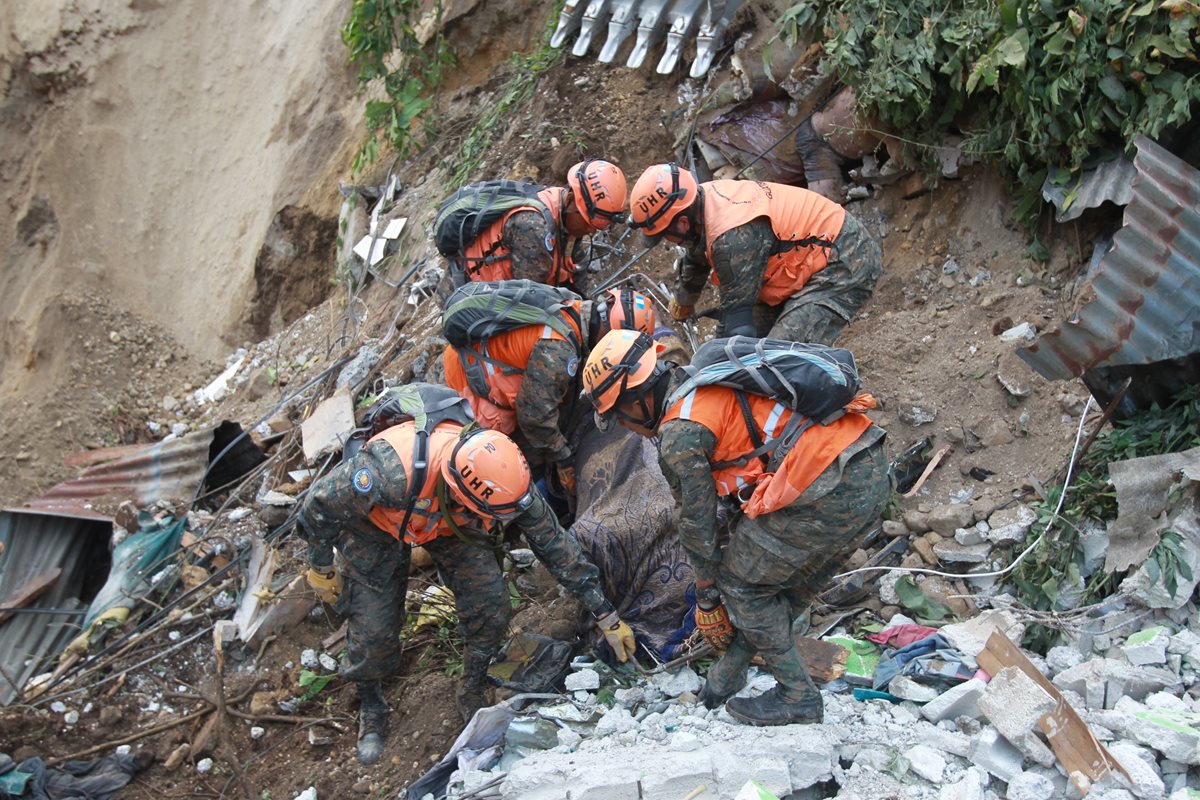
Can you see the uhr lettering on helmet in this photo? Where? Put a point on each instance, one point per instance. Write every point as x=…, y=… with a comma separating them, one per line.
x=597, y=190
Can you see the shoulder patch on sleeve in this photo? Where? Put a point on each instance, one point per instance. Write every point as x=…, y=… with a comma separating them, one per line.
x=363, y=480
x=549, y=241
x=573, y=366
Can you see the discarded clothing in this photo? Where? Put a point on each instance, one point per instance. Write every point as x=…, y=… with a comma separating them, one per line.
x=902, y=635
x=101, y=779
x=928, y=660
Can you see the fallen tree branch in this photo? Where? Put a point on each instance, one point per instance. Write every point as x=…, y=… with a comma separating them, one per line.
x=166, y=726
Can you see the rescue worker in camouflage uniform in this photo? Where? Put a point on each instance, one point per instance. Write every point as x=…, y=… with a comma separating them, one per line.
x=791, y=529
x=475, y=484
x=790, y=263
x=525, y=244
x=535, y=403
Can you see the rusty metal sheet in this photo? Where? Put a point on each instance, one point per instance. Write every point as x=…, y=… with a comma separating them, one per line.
x=1144, y=301
x=34, y=543
x=170, y=470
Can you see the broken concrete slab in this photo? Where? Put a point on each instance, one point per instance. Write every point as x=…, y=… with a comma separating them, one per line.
x=678, y=777
x=1144, y=487
x=906, y=688
x=1010, y=525
x=957, y=701
x=971, y=636
x=1147, y=647
x=926, y=762
x=993, y=753
x=950, y=551
x=329, y=426
x=1104, y=681
x=1030, y=786
x=1144, y=779
x=1015, y=703
x=969, y=787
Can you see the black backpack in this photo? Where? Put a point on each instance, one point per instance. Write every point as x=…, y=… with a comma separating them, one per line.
x=814, y=380
x=479, y=310
x=429, y=405
x=468, y=212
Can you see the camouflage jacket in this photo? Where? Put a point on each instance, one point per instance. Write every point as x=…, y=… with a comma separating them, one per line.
x=334, y=504
x=740, y=258
x=547, y=391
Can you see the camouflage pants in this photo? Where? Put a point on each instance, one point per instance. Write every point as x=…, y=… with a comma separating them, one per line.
x=775, y=564
x=375, y=572
x=376, y=579
x=832, y=296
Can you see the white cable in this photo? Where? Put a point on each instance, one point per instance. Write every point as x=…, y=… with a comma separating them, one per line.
x=1017, y=561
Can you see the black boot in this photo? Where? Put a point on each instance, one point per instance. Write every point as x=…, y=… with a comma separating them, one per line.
x=793, y=700
x=471, y=693
x=726, y=676
x=372, y=722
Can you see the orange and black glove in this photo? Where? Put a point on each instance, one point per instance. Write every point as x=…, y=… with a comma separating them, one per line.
x=712, y=620
x=678, y=312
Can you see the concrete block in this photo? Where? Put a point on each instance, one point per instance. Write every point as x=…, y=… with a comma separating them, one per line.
x=1010, y=525
x=1063, y=657
x=811, y=755
x=673, y=684
x=1014, y=703
x=615, y=720
x=994, y=754
x=971, y=636
x=949, y=518
x=673, y=778
x=1146, y=783
x=583, y=679
x=1030, y=786
x=926, y=762
x=970, y=787
x=958, y=701
x=951, y=552
x=952, y=742
x=733, y=767
x=1147, y=646
x=1103, y=681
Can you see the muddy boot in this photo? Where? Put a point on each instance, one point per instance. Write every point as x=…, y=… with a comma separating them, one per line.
x=372, y=722
x=794, y=700
x=471, y=692
x=726, y=676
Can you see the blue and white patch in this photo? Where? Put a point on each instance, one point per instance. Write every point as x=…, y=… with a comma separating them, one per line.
x=573, y=366
x=363, y=480
x=550, y=242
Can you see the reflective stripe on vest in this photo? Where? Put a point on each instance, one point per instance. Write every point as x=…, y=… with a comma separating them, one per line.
x=426, y=522
x=795, y=214
x=498, y=264
x=716, y=408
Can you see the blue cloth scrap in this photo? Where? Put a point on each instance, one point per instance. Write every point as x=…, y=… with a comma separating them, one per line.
x=929, y=660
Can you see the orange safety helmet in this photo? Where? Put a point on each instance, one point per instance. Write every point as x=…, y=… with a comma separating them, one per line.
x=661, y=189
x=488, y=474
x=625, y=309
x=599, y=190
x=621, y=361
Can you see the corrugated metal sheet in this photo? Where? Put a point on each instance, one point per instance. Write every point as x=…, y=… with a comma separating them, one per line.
x=162, y=471
x=35, y=543
x=1144, y=301
x=1110, y=182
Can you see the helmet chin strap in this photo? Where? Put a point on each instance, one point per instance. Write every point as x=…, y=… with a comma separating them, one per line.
x=656, y=390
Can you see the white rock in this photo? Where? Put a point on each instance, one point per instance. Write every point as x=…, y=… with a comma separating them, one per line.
x=257, y=732
x=71, y=717
x=309, y=659
x=684, y=742
x=58, y=707
x=629, y=697
x=969, y=788
x=673, y=684
x=1146, y=782
x=583, y=679
x=569, y=738
x=615, y=720
x=124, y=749
x=1019, y=334
x=1063, y=657
x=204, y=766
x=308, y=794
x=328, y=662
x=906, y=688
x=1030, y=786
x=926, y=762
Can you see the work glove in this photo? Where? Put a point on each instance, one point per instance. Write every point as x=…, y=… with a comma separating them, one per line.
x=326, y=582
x=618, y=635
x=712, y=620
x=566, y=476
x=678, y=312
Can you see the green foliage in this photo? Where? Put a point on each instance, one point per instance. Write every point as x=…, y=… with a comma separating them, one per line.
x=383, y=44
x=1035, y=85
x=313, y=683
x=1055, y=566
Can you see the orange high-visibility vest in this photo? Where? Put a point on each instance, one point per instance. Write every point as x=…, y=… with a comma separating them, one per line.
x=717, y=408
x=498, y=409
x=795, y=214
x=487, y=257
x=427, y=522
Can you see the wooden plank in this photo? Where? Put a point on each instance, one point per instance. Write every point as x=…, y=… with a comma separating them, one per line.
x=26, y=594
x=1072, y=740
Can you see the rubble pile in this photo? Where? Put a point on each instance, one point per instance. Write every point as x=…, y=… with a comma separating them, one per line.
x=985, y=737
